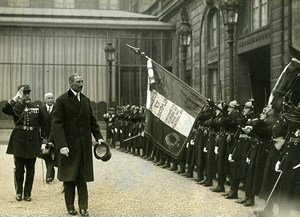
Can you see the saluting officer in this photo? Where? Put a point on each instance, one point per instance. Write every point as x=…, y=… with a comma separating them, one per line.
x=25, y=139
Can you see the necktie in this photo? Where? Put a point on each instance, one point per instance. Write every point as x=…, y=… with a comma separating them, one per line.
x=49, y=109
x=78, y=96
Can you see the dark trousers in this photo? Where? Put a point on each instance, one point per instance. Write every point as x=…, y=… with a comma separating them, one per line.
x=82, y=192
x=20, y=165
x=49, y=167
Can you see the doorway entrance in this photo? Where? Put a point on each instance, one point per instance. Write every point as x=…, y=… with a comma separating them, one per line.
x=256, y=65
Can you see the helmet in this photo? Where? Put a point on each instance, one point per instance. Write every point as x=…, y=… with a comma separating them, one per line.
x=249, y=104
x=233, y=104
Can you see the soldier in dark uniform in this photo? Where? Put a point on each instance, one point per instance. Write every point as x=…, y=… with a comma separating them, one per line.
x=221, y=148
x=270, y=176
x=210, y=164
x=287, y=100
x=262, y=129
x=231, y=126
x=25, y=140
x=200, y=141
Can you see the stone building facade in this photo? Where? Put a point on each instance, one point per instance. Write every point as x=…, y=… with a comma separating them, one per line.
x=262, y=36
x=43, y=41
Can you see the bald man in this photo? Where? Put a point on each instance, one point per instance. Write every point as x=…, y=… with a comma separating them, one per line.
x=47, y=150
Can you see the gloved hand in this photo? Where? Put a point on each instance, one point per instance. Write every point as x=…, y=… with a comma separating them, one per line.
x=19, y=95
x=228, y=139
x=64, y=151
x=43, y=147
x=247, y=129
x=248, y=160
x=192, y=142
x=143, y=133
x=216, y=149
x=278, y=142
x=205, y=149
x=277, y=166
x=230, y=159
x=100, y=141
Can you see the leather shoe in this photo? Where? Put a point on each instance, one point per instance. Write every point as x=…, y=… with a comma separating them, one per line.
x=218, y=189
x=202, y=182
x=249, y=202
x=173, y=168
x=208, y=183
x=72, y=212
x=27, y=198
x=84, y=212
x=232, y=195
x=242, y=201
x=226, y=193
x=18, y=197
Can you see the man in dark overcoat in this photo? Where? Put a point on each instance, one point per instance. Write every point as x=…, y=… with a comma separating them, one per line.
x=73, y=125
x=48, y=153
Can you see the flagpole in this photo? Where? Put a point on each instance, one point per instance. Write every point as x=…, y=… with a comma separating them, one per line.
x=137, y=51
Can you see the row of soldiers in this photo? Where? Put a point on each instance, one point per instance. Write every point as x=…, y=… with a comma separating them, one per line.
x=229, y=144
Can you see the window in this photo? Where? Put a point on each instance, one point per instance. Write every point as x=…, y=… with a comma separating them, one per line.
x=18, y=3
x=212, y=29
x=260, y=15
x=109, y=4
x=64, y=4
x=213, y=81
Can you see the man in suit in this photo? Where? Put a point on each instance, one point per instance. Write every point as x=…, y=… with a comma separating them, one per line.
x=48, y=153
x=25, y=140
x=73, y=125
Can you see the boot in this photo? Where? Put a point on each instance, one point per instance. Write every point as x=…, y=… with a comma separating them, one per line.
x=208, y=183
x=174, y=167
x=242, y=201
x=232, y=195
x=181, y=169
x=218, y=189
x=249, y=202
x=167, y=164
x=202, y=182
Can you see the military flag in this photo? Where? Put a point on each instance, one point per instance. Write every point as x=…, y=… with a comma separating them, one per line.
x=171, y=109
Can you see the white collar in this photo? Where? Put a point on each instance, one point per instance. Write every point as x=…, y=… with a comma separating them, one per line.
x=75, y=93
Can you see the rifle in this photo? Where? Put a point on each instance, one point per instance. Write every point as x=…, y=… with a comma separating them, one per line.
x=133, y=137
x=252, y=134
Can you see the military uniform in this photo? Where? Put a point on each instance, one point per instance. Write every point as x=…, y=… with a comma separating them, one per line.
x=24, y=143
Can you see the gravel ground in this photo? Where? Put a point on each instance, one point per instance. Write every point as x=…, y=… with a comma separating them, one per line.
x=125, y=186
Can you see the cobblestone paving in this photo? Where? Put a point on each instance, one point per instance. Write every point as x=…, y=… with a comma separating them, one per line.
x=125, y=186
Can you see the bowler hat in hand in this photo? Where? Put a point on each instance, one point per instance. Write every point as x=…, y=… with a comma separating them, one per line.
x=102, y=151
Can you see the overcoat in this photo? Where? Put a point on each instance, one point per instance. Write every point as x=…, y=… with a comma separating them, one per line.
x=47, y=123
x=73, y=125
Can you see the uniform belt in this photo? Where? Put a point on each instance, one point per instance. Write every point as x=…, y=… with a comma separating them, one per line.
x=244, y=136
x=295, y=140
x=26, y=127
